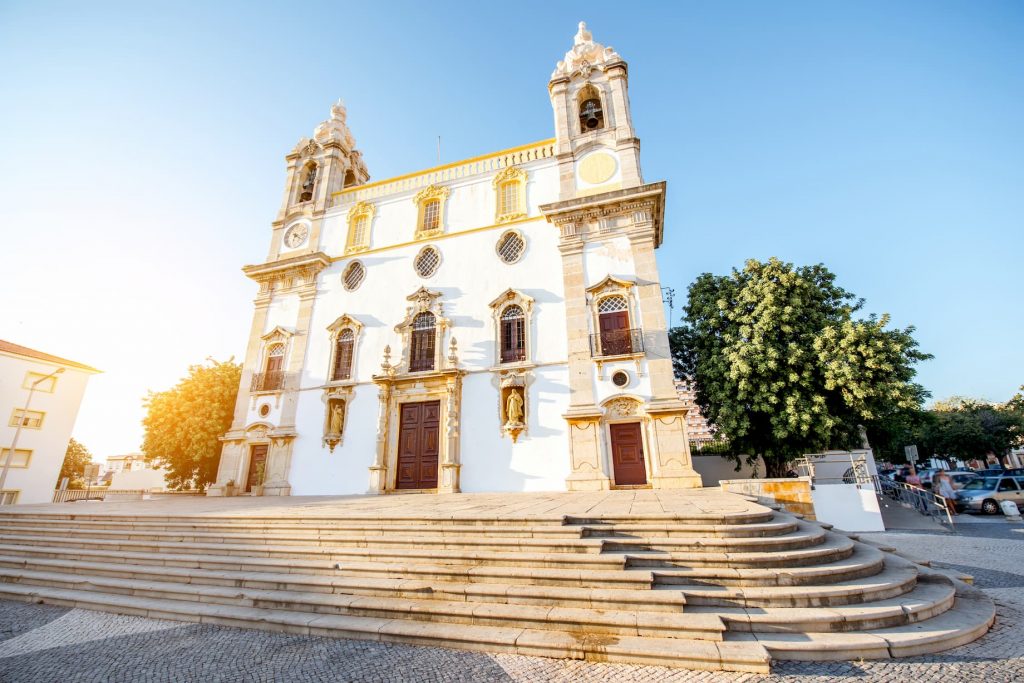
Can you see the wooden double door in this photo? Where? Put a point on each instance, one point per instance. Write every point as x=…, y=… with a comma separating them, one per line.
x=628, y=466
x=418, y=445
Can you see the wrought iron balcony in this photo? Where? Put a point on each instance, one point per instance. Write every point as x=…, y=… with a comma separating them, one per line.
x=268, y=381
x=617, y=343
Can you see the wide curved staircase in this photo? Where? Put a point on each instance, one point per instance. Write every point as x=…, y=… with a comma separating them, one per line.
x=711, y=590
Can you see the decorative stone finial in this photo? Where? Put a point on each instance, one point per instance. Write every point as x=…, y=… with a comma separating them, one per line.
x=584, y=56
x=582, y=35
x=338, y=111
x=453, y=353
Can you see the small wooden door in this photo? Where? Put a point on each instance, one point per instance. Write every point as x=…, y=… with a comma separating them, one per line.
x=615, y=339
x=418, y=441
x=257, y=466
x=628, y=454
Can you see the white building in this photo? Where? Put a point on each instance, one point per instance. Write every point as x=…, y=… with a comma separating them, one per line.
x=493, y=324
x=45, y=426
x=134, y=472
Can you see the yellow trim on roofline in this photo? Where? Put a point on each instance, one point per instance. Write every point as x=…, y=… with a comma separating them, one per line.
x=438, y=238
x=435, y=169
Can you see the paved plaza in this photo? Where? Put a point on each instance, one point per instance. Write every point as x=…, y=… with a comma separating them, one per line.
x=47, y=643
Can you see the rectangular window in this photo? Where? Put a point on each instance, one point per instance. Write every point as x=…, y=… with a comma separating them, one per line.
x=509, y=198
x=33, y=419
x=21, y=458
x=48, y=386
x=432, y=215
x=8, y=497
x=359, y=231
x=421, y=355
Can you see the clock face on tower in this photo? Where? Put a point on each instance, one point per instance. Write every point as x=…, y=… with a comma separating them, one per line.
x=295, y=235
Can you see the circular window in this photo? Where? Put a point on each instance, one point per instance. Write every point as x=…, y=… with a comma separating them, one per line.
x=620, y=378
x=353, y=275
x=264, y=410
x=511, y=246
x=427, y=261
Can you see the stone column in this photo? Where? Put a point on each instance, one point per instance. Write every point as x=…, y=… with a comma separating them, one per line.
x=450, y=462
x=234, y=441
x=379, y=469
x=672, y=465
x=583, y=416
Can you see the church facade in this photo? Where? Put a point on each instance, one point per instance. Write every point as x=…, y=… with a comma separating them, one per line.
x=495, y=324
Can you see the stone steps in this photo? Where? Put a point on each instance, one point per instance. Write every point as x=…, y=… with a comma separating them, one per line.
x=806, y=536
x=708, y=590
x=929, y=597
x=316, y=529
x=674, y=652
x=546, y=617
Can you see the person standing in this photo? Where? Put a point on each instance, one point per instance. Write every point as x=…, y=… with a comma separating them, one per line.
x=942, y=485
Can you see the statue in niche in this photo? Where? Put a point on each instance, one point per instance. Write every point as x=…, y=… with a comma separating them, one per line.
x=337, y=423
x=514, y=408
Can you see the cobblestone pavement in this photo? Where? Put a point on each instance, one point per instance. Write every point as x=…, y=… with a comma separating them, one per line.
x=40, y=643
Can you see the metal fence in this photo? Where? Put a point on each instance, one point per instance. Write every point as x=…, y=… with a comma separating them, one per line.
x=922, y=500
x=96, y=493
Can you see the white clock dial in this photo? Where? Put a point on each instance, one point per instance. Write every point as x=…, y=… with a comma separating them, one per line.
x=296, y=235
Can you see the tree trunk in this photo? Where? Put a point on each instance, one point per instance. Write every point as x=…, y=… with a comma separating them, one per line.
x=774, y=467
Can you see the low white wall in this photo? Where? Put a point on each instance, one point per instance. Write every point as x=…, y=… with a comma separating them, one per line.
x=146, y=480
x=847, y=506
x=714, y=468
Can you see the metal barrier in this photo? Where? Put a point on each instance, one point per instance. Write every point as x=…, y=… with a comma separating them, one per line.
x=922, y=500
x=96, y=493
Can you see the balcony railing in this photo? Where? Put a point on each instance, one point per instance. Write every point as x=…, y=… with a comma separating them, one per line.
x=617, y=343
x=268, y=381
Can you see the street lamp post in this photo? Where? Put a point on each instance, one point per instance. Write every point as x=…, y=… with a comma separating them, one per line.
x=17, y=432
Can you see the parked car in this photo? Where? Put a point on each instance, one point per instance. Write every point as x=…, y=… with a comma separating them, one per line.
x=983, y=494
x=960, y=479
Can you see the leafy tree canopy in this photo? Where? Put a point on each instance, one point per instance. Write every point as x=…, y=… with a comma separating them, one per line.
x=183, y=424
x=76, y=458
x=782, y=366
x=967, y=428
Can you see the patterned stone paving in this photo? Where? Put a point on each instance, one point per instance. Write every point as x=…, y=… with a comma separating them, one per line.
x=40, y=643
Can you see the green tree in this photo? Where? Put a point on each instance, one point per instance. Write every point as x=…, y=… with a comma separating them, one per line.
x=783, y=368
x=183, y=424
x=76, y=457
x=966, y=428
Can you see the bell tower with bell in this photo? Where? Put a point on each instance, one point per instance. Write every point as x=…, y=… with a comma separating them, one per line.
x=610, y=222
x=596, y=146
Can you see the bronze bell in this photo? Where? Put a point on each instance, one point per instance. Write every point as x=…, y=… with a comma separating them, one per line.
x=590, y=114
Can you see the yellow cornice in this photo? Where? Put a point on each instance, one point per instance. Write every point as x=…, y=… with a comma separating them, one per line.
x=438, y=238
x=435, y=169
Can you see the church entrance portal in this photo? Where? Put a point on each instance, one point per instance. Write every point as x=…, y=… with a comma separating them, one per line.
x=257, y=466
x=419, y=432
x=628, y=454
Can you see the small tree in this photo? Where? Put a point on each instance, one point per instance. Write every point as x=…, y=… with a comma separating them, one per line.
x=967, y=429
x=183, y=424
x=76, y=457
x=783, y=368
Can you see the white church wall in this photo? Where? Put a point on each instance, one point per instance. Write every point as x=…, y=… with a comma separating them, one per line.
x=536, y=462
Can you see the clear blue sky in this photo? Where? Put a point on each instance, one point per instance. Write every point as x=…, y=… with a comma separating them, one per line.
x=142, y=144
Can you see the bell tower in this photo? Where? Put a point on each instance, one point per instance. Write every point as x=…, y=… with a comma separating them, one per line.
x=596, y=146
x=610, y=222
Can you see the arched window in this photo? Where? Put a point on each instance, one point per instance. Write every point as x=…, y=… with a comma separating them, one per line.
x=510, y=194
x=350, y=178
x=421, y=350
x=590, y=111
x=343, y=355
x=613, y=321
x=513, y=335
x=308, y=182
x=275, y=358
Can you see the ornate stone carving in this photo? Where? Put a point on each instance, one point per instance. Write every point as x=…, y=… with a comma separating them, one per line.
x=512, y=402
x=585, y=56
x=622, y=407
